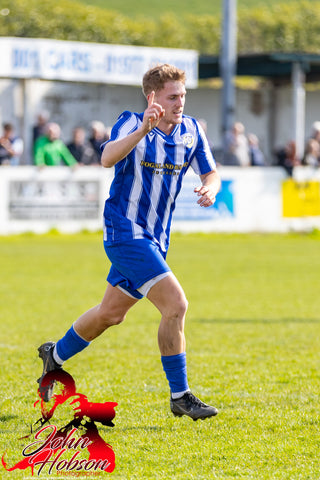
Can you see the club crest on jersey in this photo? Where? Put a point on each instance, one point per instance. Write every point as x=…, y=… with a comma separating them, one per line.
x=187, y=139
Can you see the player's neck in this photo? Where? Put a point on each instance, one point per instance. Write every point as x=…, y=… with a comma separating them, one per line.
x=165, y=127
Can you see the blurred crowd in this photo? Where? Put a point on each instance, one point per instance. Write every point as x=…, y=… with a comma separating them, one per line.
x=48, y=148
x=244, y=150
x=288, y=158
x=241, y=149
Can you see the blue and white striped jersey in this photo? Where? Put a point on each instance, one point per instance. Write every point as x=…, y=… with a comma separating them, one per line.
x=146, y=183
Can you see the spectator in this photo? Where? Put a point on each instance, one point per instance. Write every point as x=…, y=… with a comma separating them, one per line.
x=315, y=131
x=11, y=146
x=50, y=150
x=287, y=157
x=97, y=137
x=315, y=135
x=81, y=150
x=312, y=153
x=237, y=147
x=39, y=129
x=255, y=154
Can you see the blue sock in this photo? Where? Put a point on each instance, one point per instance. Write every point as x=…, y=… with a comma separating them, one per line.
x=70, y=344
x=175, y=367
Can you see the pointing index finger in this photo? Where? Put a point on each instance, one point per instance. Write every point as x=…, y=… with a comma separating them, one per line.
x=151, y=98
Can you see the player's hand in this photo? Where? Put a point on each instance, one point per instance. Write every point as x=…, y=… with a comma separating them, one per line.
x=207, y=196
x=153, y=113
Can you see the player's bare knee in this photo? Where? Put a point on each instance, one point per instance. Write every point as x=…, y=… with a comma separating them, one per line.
x=109, y=317
x=117, y=319
x=177, y=310
x=182, y=306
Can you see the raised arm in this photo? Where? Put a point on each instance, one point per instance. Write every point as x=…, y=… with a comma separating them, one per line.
x=117, y=150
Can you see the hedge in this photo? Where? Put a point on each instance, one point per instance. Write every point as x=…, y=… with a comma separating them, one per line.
x=284, y=27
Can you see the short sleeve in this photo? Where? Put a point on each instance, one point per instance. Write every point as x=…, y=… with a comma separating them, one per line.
x=203, y=160
x=127, y=123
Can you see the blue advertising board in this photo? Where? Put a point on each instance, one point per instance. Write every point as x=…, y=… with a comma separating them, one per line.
x=188, y=209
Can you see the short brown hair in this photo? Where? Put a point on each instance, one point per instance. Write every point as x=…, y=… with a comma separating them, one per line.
x=156, y=77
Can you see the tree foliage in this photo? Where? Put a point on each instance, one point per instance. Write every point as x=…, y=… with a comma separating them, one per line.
x=284, y=27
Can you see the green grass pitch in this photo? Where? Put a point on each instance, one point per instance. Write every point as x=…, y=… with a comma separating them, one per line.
x=252, y=346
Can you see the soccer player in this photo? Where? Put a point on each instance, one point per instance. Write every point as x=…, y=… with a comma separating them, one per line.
x=151, y=153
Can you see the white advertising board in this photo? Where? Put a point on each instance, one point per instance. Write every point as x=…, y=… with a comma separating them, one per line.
x=89, y=62
x=250, y=200
x=37, y=200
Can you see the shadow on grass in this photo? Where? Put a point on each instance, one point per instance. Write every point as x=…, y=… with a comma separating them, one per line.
x=256, y=320
x=6, y=418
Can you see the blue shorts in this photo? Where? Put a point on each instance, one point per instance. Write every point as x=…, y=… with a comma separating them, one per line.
x=134, y=263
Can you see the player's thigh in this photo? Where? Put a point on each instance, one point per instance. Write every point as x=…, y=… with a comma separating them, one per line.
x=168, y=296
x=115, y=303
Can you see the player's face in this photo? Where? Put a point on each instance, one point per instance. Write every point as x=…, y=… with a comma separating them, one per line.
x=172, y=98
